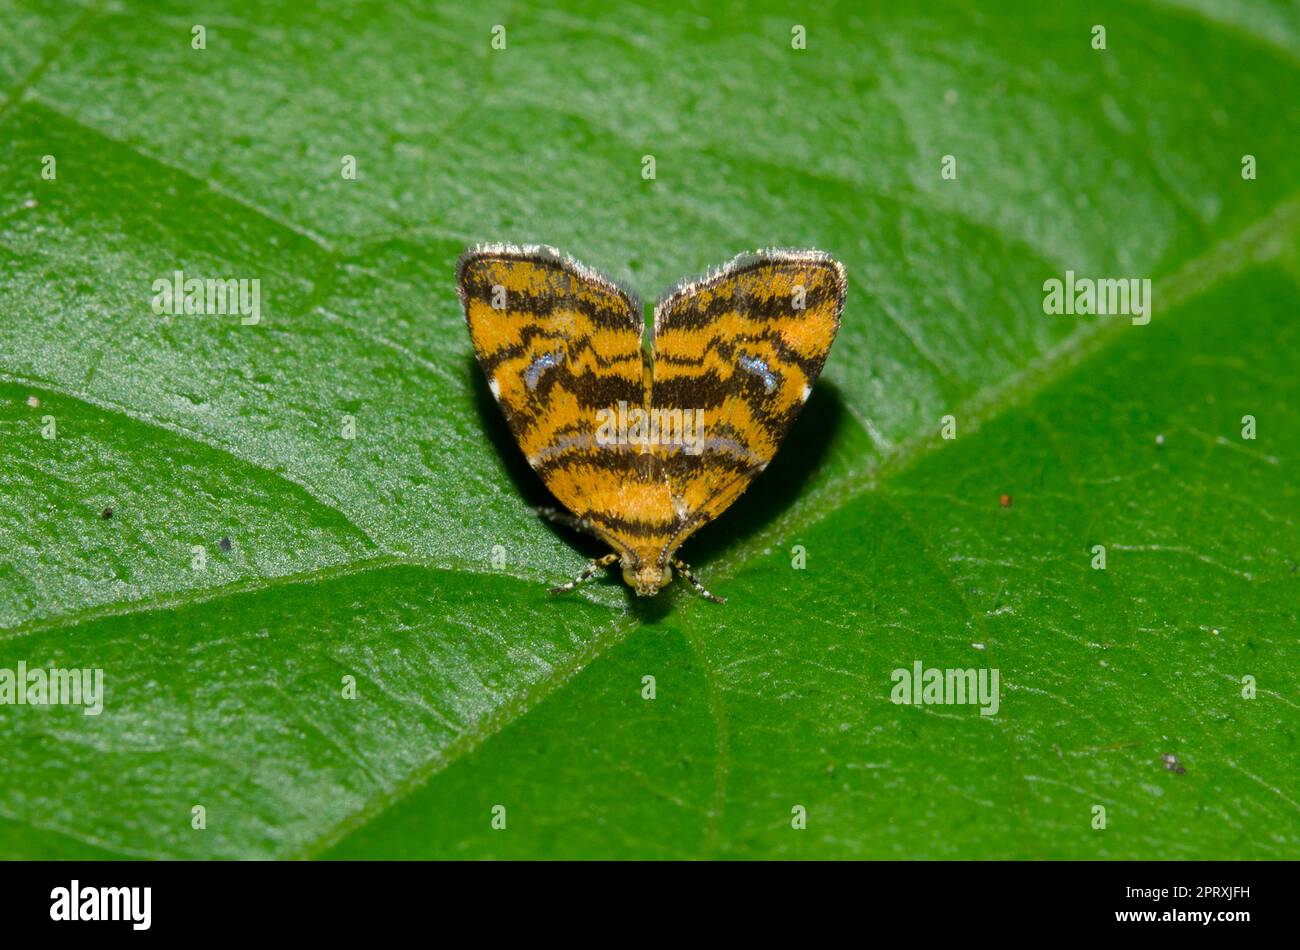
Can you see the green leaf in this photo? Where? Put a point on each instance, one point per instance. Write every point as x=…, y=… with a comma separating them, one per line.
x=378, y=557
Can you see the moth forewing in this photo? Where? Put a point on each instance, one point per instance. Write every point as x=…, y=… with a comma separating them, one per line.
x=742, y=347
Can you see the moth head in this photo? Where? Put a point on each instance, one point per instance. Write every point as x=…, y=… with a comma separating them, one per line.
x=646, y=577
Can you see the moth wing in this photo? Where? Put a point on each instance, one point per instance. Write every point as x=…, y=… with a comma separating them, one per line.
x=743, y=346
x=558, y=342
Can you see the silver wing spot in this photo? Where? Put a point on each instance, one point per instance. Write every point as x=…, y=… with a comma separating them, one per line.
x=546, y=361
x=752, y=364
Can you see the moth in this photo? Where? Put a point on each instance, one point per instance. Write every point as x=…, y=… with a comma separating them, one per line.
x=645, y=444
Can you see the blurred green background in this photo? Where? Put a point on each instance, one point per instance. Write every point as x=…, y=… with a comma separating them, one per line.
x=408, y=558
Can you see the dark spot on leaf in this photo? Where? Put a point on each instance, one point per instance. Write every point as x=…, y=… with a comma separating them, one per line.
x=225, y=544
x=106, y=513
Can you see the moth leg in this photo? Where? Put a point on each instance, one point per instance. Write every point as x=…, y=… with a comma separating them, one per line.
x=587, y=573
x=684, y=569
x=558, y=516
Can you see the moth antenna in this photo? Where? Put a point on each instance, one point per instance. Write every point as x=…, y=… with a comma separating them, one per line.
x=684, y=569
x=586, y=574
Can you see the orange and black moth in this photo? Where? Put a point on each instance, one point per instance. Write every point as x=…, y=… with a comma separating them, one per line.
x=643, y=446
